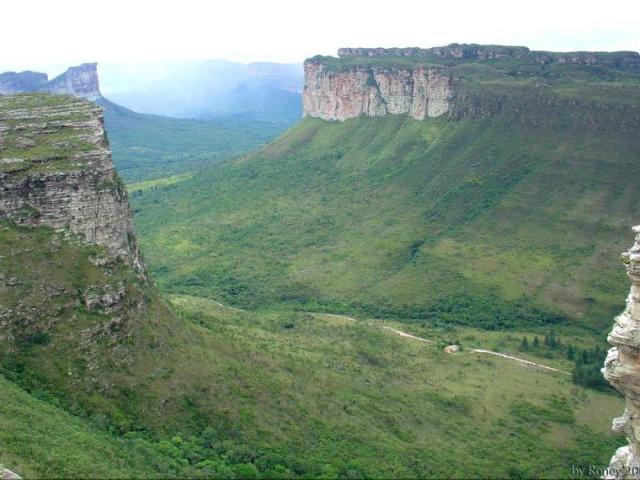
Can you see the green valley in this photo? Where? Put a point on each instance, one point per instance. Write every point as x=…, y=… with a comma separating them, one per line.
x=147, y=147
x=208, y=390
x=417, y=286
x=498, y=222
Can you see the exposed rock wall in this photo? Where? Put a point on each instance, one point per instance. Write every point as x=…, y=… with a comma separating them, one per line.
x=6, y=474
x=56, y=170
x=420, y=92
x=622, y=370
x=81, y=81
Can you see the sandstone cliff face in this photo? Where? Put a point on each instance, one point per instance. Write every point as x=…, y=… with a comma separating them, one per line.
x=80, y=81
x=622, y=370
x=56, y=170
x=371, y=91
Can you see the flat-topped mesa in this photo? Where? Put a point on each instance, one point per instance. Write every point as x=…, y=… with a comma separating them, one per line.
x=461, y=52
x=56, y=170
x=460, y=81
x=622, y=370
x=81, y=81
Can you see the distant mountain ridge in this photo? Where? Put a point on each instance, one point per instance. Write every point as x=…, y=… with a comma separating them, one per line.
x=620, y=59
x=207, y=89
x=147, y=146
x=81, y=81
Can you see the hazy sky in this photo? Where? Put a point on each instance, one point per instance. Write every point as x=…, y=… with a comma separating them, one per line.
x=48, y=34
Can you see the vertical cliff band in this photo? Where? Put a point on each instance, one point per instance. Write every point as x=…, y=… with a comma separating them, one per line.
x=622, y=370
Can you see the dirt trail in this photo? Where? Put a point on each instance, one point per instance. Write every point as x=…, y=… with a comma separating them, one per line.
x=481, y=351
x=521, y=360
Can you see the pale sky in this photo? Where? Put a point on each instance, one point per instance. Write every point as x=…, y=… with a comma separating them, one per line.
x=48, y=34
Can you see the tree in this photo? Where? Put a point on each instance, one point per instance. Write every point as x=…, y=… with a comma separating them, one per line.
x=536, y=342
x=524, y=345
x=571, y=354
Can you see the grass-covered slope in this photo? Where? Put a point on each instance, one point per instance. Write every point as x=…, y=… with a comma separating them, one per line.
x=147, y=147
x=513, y=219
x=199, y=389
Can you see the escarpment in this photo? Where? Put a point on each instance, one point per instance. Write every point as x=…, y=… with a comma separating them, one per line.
x=56, y=170
x=622, y=370
x=463, y=81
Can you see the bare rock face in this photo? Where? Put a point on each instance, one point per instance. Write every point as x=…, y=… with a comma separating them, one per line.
x=80, y=81
x=622, y=370
x=56, y=170
x=373, y=91
x=6, y=474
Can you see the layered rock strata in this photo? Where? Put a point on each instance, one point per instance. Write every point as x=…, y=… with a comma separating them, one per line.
x=622, y=370
x=371, y=91
x=56, y=170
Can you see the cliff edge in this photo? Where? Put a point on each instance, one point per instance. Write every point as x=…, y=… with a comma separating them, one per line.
x=56, y=170
x=459, y=81
x=622, y=370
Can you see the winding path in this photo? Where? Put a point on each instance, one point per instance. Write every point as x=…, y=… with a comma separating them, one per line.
x=481, y=351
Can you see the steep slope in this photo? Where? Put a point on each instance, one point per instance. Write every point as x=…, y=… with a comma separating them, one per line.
x=511, y=219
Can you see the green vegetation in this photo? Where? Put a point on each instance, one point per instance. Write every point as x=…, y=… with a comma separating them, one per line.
x=147, y=147
x=41, y=144
x=510, y=63
x=499, y=222
x=497, y=233
x=205, y=390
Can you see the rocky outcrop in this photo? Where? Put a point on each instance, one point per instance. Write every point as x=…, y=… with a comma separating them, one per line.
x=458, y=52
x=80, y=81
x=622, y=370
x=56, y=170
x=432, y=82
x=6, y=474
x=374, y=91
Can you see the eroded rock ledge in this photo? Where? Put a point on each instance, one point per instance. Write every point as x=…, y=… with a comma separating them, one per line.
x=622, y=370
x=56, y=170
